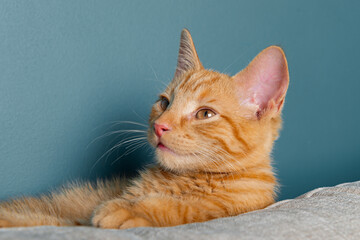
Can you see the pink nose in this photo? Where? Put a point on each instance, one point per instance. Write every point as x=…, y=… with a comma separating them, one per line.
x=160, y=129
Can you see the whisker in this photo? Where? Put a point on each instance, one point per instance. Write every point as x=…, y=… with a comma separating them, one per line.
x=212, y=152
x=129, y=151
x=142, y=118
x=124, y=135
x=214, y=162
x=156, y=77
x=122, y=132
x=129, y=142
x=131, y=122
x=124, y=141
x=114, y=123
x=135, y=143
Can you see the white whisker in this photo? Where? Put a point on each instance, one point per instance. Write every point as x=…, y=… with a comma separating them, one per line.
x=124, y=141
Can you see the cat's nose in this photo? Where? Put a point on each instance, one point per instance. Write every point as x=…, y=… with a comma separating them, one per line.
x=160, y=129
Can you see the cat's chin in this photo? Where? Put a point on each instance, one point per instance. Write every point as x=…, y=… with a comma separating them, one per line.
x=163, y=148
x=175, y=162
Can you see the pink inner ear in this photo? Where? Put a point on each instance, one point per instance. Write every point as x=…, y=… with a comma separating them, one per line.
x=269, y=80
x=266, y=79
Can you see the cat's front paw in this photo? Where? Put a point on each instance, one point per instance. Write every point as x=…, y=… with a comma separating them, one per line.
x=118, y=215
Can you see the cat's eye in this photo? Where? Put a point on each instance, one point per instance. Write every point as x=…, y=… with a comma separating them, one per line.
x=205, y=114
x=164, y=103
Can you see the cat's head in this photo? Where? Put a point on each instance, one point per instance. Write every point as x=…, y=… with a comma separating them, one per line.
x=213, y=122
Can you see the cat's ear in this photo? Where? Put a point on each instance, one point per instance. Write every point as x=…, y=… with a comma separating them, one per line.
x=188, y=58
x=262, y=85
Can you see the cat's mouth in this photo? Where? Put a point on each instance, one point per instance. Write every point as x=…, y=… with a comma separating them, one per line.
x=162, y=147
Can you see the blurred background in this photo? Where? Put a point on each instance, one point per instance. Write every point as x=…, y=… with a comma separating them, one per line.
x=70, y=69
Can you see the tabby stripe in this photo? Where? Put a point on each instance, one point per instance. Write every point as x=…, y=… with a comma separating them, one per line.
x=235, y=132
x=183, y=82
x=205, y=82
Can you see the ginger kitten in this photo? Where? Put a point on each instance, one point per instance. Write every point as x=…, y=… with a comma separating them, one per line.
x=213, y=135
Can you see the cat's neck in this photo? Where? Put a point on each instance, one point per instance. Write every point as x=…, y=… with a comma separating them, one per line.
x=263, y=169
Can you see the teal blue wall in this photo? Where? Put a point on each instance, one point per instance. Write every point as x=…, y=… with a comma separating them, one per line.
x=69, y=68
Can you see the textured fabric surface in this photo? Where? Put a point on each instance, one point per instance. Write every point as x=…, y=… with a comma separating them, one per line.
x=324, y=213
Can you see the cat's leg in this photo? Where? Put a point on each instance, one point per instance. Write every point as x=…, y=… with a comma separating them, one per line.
x=164, y=211
x=114, y=213
x=157, y=211
x=72, y=205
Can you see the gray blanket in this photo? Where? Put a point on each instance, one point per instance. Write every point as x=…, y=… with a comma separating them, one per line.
x=324, y=213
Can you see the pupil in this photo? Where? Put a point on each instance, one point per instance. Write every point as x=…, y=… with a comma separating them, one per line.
x=164, y=104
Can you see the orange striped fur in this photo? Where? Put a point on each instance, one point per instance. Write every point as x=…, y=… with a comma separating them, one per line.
x=208, y=166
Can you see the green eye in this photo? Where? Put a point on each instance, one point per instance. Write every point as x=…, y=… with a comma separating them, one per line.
x=164, y=103
x=205, y=113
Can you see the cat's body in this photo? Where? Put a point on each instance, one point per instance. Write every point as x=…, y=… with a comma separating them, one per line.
x=163, y=197
x=213, y=136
